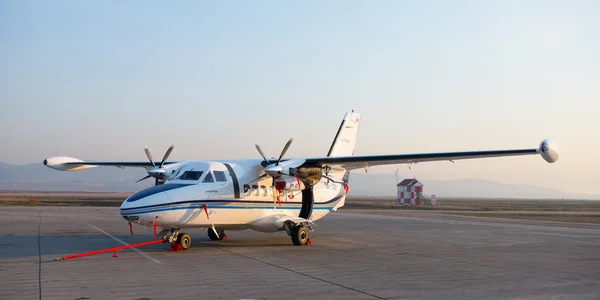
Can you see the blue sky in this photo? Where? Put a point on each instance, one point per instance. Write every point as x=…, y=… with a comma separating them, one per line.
x=102, y=79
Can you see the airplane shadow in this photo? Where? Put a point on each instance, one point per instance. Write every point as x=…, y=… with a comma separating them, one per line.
x=31, y=246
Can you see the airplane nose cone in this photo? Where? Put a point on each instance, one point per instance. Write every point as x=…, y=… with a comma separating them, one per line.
x=151, y=196
x=124, y=204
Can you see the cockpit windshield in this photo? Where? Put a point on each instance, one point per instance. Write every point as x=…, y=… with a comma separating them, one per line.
x=208, y=178
x=190, y=175
x=200, y=172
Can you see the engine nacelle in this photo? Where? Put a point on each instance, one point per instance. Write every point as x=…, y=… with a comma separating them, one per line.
x=289, y=184
x=548, y=150
x=58, y=163
x=308, y=175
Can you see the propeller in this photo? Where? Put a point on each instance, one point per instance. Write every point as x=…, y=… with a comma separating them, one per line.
x=273, y=170
x=157, y=172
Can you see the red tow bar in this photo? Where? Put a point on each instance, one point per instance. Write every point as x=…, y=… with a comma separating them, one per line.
x=113, y=250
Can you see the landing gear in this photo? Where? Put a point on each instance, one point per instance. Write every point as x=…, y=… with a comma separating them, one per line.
x=179, y=241
x=299, y=235
x=298, y=232
x=184, y=240
x=216, y=234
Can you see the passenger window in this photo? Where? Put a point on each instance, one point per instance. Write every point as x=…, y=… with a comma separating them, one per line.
x=247, y=189
x=220, y=176
x=264, y=190
x=255, y=189
x=208, y=177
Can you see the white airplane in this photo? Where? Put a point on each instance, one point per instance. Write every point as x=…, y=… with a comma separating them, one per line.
x=267, y=195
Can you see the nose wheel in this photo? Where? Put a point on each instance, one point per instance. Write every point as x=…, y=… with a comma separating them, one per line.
x=185, y=241
x=178, y=240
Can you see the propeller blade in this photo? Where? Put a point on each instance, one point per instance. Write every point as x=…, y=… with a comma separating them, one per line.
x=166, y=155
x=147, y=176
x=259, y=177
x=287, y=145
x=261, y=153
x=149, y=156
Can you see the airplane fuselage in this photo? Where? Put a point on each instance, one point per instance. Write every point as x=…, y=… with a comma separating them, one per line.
x=224, y=194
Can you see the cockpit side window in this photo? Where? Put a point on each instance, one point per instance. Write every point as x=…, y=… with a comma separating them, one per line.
x=220, y=176
x=175, y=173
x=208, y=177
x=190, y=175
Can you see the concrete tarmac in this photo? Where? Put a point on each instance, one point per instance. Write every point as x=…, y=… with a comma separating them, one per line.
x=354, y=255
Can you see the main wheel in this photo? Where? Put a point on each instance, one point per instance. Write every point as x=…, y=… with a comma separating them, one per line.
x=213, y=236
x=184, y=240
x=299, y=235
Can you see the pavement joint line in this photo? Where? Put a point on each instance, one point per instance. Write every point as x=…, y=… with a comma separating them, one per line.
x=584, y=242
x=39, y=255
x=126, y=244
x=303, y=274
x=560, y=234
x=482, y=221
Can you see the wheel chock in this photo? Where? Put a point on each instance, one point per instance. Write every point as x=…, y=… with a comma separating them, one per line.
x=176, y=247
x=308, y=242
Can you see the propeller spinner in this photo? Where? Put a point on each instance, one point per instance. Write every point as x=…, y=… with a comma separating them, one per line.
x=158, y=172
x=275, y=170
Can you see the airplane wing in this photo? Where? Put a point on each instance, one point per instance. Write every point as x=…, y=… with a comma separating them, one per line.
x=547, y=150
x=65, y=163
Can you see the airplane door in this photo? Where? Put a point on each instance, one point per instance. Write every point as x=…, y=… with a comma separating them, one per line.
x=234, y=181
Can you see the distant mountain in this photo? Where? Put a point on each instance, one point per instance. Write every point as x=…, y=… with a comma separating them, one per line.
x=385, y=185
x=112, y=179
x=39, y=177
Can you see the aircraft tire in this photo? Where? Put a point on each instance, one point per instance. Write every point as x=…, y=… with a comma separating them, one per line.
x=213, y=236
x=184, y=240
x=299, y=235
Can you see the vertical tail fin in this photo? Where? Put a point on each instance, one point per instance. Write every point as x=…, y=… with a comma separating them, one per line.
x=345, y=139
x=343, y=145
